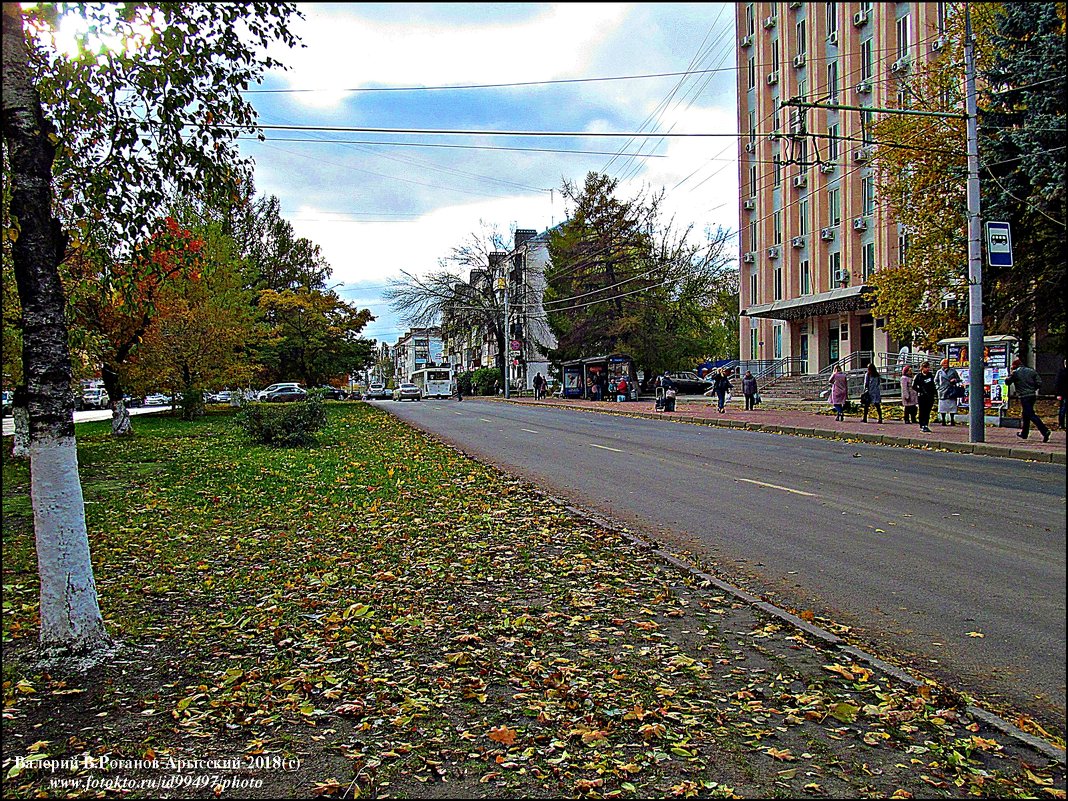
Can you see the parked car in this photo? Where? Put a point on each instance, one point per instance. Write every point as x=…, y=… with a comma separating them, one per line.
x=95, y=398
x=262, y=395
x=285, y=394
x=331, y=393
x=378, y=391
x=407, y=392
x=222, y=397
x=157, y=399
x=689, y=383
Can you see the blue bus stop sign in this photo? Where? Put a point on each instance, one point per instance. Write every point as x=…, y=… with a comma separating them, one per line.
x=998, y=244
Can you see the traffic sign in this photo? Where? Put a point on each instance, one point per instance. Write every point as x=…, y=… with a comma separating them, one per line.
x=998, y=244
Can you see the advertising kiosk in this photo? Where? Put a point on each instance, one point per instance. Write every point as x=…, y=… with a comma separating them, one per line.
x=579, y=375
x=998, y=353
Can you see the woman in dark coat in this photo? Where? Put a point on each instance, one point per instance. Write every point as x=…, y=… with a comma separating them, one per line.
x=874, y=392
x=749, y=390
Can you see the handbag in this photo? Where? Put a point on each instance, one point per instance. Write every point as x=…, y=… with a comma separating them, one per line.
x=960, y=393
x=756, y=398
x=865, y=398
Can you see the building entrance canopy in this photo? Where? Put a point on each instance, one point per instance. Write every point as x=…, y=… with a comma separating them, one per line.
x=837, y=301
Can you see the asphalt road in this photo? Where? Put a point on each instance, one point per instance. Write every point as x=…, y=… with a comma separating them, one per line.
x=92, y=414
x=918, y=551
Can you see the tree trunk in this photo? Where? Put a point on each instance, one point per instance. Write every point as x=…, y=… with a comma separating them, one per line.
x=70, y=614
x=121, y=425
x=20, y=414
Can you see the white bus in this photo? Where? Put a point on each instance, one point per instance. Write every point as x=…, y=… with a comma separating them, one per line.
x=434, y=381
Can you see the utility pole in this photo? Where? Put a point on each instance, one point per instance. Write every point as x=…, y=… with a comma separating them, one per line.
x=976, y=372
x=502, y=282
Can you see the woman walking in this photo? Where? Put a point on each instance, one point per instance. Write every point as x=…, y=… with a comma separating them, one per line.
x=909, y=399
x=839, y=394
x=749, y=390
x=926, y=392
x=721, y=386
x=947, y=379
x=873, y=392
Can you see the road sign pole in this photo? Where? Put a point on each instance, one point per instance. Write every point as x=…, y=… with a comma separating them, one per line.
x=976, y=410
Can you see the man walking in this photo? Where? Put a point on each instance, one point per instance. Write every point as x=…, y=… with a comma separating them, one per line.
x=539, y=387
x=1028, y=383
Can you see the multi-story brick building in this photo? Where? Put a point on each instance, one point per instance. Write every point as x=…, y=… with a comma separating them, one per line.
x=811, y=230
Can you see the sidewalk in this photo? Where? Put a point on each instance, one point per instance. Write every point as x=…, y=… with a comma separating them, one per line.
x=805, y=418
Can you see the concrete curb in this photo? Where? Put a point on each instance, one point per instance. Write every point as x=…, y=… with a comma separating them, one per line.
x=978, y=448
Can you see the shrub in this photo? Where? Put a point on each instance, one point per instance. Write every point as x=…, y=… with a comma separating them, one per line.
x=463, y=383
x=286, y=424
x=191, y=403
x=483, y=379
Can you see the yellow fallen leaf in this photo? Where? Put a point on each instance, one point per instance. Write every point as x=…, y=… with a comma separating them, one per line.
x=976, y=634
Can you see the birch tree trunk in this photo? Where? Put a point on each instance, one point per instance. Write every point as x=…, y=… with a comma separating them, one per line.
x=70, y=614
x=20, y=417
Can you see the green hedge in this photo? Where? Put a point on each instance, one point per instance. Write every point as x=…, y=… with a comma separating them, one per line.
x=285, y=424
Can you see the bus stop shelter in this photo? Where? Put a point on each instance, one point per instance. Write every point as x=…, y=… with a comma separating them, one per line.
x=580, y=375
x=998, y=354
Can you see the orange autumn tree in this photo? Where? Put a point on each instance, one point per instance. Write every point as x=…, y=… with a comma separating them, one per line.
x=113, y=302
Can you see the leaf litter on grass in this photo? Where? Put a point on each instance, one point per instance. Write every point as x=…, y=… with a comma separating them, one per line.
x=407, y=622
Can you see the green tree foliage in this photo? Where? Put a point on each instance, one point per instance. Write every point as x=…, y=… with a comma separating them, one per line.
x=314, y=335
x=1022, y=125
x=622, y=280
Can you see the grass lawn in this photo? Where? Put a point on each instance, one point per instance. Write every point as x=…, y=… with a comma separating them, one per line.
x=379, y=615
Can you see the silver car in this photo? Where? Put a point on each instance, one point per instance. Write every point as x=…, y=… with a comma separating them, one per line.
x=407, y=392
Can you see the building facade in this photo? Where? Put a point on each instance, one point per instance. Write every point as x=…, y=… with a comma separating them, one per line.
x=418, y=348
x=811, y=229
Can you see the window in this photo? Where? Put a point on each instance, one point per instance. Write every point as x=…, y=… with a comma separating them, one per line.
x=867, y=122
x=750, y=20
x=802, y=217
x=834, y=206
x=752, y=339
x=753, y=235
x=775, y=56
x=832, y=79
x=832, y=18
x=942, y=13
x=752, y=71
x=867, y=191
x=801, y=38
x=802, y=89
x=868, y=260
x=752, y=180
x=832, y=142
x=777, y=226
x=835, y=266
x=752, y=126
x=778, y=171
x=903, y=37
x=865, y=59
x=806, y=278
x=778, y=282
x=801, y=155
x=752, y=287
x=902, y=247
x=778, y=340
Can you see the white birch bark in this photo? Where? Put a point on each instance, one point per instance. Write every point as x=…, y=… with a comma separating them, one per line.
x=120, y=419
x=70, y=614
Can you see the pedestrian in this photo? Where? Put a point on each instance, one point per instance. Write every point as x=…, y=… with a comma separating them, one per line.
x=873, y=392
x=1061, y=388
x=539, y=387
x=909, y=399
x=459, y=390
x=496, y=387
x=1028, y=382
x=749, y=390
x=839, y=393
x=621, y=389
x=926, y=393
x=721, y=386
x=948, y=381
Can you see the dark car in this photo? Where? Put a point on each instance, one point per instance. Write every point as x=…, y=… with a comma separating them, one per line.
x=331, y=393
x=285, y=395
x=688, y=383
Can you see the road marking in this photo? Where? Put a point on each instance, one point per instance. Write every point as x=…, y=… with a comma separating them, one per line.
x=485, y=420
x=605, y=448
x=776, y=486
x=528, y=430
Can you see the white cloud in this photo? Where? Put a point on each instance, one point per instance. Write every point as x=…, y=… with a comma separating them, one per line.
x=348, y=51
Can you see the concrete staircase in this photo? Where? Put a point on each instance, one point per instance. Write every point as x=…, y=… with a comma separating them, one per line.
x=794, y=387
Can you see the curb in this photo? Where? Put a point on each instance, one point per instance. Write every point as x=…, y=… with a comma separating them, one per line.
x=977, y=448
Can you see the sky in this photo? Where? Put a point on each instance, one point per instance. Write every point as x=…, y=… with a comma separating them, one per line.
x=379, y=203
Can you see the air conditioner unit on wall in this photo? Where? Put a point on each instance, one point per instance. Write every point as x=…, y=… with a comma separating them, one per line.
x=799, y=60
x=827, y=234
x=860, y=155
x=938, y=44
x=900, y=65
x=860, y=224
x=770, y=22
x=775, y=135
x=800, y=181
x=829, y=167
x=748, y=258
x=746, y=41
x=832, y=38
x=773, y=253
x=860, y=18
x=864, y=88
x=797, y=5
x=750, y=147
x=749, y=204
x=798, y=241
x=773, y=77
x=841, y=276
